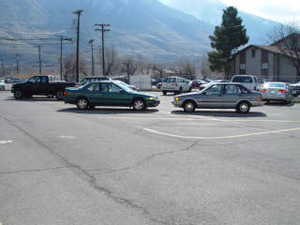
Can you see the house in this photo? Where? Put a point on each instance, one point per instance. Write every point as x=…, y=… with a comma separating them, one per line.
x=273, y=62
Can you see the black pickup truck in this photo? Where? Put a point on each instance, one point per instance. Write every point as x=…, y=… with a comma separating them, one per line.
x=40, y=85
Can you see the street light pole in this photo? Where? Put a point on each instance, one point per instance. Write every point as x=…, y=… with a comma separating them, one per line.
x=91, y=42
x=78, y=13
x=62, y=39
x=103, y=30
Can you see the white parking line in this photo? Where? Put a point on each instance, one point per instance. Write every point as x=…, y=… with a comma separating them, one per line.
x=224, y=137
x=5, y=142
x=67, y=137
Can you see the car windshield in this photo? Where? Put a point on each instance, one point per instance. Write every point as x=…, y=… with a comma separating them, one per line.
x=242, y=79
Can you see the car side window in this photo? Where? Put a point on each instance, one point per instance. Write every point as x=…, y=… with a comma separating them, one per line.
x=114, y=88
x=44, y=80
x=32, y=80
x=244, y=90
x=94, y=88
x=214, y=90
x=231, y=89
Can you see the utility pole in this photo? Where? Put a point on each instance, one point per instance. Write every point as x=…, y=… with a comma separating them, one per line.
x=3, y=67
x=62, y=39
x=103, y=30
x=40, y=60
x=91, y=42
x=78, y=13
x=17, y=62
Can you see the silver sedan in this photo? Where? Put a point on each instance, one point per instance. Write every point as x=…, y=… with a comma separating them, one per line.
x=276, y=91
x=220, y=96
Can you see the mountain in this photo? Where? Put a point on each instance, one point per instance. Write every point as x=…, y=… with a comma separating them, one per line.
x=211, y=11
x=145, y=27
x=160, y=31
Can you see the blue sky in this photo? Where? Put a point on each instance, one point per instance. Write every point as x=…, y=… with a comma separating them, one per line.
x=286, y=11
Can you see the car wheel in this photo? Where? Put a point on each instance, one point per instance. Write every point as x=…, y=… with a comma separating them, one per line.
x=139, y=105
x=243, y=107
x=164, y=93
x=59, y=95
x=18, y=94
x=82, y=104
x=189, y=106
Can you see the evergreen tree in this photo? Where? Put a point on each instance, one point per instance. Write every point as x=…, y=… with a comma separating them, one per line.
x=226, y=40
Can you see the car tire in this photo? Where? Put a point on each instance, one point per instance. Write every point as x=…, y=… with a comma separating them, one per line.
x=59, y=95
x=189, y=106
x=82, y=104
x=243, y=107
x=139, y=104
x=164, y=93
x=18, y=94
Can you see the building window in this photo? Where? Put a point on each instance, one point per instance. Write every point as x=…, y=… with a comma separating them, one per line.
x=264, y=63
x=242, y=68
x=253, y=52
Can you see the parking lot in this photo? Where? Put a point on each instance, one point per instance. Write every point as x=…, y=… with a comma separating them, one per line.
x=161, y=166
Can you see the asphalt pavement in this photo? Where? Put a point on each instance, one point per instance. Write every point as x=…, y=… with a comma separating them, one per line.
x=62, y=166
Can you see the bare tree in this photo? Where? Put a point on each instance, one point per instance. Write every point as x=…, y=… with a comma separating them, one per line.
x=287, y=39
x=186, y=68
x=113, y=61
x=130, y=66
x=70, y=67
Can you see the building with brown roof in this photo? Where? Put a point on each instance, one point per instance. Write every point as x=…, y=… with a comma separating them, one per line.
x=273, y=62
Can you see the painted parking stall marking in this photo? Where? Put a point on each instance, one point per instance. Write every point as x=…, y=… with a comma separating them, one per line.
x=5, y=142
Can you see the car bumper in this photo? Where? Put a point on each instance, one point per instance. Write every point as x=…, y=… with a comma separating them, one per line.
x=177, y=104
x=153, y=103
x=276, y=97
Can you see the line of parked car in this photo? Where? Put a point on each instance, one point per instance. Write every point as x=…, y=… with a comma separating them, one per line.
x=241, y=93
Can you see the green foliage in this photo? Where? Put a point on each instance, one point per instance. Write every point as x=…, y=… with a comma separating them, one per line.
x=227, y=38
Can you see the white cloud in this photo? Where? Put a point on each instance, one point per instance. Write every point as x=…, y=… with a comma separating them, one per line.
x=280, y=10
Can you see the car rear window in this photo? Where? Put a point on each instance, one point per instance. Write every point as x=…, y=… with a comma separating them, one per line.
x=276, y=85
x=242, y=79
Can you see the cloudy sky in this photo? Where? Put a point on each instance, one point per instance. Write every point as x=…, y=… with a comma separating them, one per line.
x=281, y=10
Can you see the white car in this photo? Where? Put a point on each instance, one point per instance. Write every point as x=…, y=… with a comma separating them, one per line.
x=295, y=89
x=2, y=85
x=176, y=85
x=248, y=81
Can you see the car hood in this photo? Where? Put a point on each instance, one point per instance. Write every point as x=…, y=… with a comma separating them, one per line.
x=142, y=94
x=188, y=94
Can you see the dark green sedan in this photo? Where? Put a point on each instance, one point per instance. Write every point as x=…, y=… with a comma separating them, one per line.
x=109, y=93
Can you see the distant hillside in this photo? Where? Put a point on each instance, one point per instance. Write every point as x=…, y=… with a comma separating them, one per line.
x=211, y=12
x=144, y=28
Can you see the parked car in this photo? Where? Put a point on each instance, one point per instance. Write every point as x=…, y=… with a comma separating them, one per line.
x=93, y=79
x=109, y=93
x=198, y=83
x=176, y=85
x=249, y=81
x=203, y=86
x=295, y=89
x=128, y=85
x=40, y=85
x=276, y=91
x=2, y=85
x=220, y=96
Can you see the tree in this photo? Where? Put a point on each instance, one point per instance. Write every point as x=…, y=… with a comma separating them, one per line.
x=226, y=40
x=70, y=67
x=287, y=39
x=130, y=67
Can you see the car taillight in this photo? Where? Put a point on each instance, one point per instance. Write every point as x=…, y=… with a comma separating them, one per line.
x=263, y=90
x=66, y=93
x=283, y=91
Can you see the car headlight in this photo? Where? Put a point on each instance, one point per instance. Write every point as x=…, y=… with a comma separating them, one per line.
x=152, y=98
x=177, y=99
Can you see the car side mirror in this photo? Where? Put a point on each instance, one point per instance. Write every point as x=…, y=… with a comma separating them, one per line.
x=122, y=92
